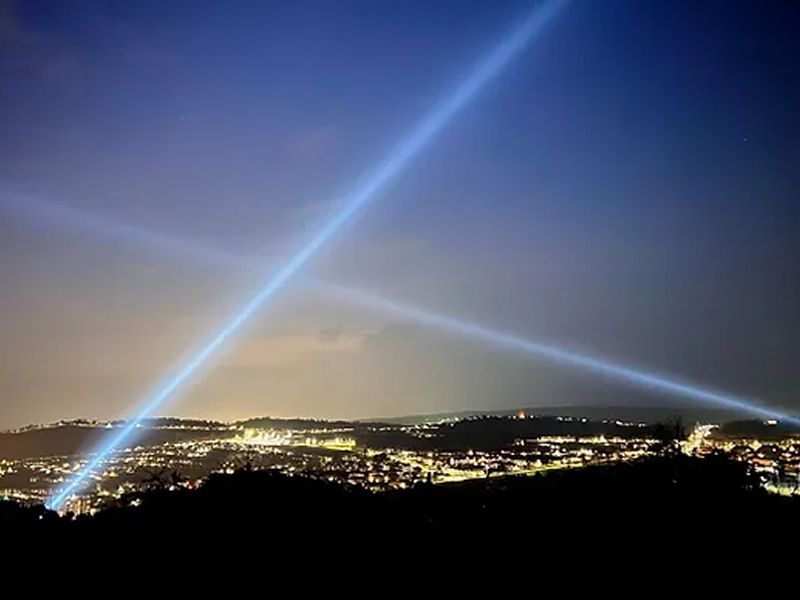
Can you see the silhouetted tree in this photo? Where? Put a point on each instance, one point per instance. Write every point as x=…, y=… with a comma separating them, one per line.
x=162, y=479
x=669, y=435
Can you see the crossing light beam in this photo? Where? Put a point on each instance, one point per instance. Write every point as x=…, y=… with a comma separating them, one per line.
x=387, y=170
x=153, y=241
x=508, y=341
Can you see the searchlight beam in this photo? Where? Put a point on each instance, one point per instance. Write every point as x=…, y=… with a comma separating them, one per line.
x=419, y=138
x=142, y=238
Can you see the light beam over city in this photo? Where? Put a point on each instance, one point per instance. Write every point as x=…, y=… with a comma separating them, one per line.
x=572, y=316
x=555, y=354
x=386, y=171
x=156, y=242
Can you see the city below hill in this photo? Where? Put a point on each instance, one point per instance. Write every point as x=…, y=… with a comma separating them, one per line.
x=486, y=430
x=655, y=501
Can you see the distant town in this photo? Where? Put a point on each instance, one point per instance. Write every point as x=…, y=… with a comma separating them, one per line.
x=378, y=456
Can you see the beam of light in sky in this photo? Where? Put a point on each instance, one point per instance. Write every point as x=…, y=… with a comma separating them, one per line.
x=500, y=339
x=466, y=330
x=490, y=66
x=34, y=209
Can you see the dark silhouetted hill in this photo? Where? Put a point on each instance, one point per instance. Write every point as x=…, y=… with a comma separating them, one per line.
x=68, y=440
x=493, y=433
x=754, y=429
x=661, y=501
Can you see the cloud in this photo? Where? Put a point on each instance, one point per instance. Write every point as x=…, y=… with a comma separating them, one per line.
x=291, y=348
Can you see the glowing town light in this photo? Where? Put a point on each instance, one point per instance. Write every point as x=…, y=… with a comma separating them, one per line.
x=615, y=371
x=386, y=171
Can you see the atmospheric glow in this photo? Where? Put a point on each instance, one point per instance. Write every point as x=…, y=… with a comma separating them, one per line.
x=385, y=172
x=555, y=354
x=153, y=241
x=211, y=257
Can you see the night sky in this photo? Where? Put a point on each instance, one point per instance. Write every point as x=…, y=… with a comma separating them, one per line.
x=629, y=186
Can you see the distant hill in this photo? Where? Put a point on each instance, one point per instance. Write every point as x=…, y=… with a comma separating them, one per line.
x=66, y=440
x=469, y=429
x=756, y=429
x=302, y=424
x=638, y=414
x=495, y=432
x=151, y=422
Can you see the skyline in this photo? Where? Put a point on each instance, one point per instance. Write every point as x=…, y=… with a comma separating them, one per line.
x=763, y=319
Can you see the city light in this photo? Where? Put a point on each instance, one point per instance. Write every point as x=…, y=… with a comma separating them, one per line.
x=385, y=172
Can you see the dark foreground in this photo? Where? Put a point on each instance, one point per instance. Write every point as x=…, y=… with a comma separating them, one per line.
x=656, y=502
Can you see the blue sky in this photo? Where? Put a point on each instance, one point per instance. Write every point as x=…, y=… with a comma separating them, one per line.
x=628, y=186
